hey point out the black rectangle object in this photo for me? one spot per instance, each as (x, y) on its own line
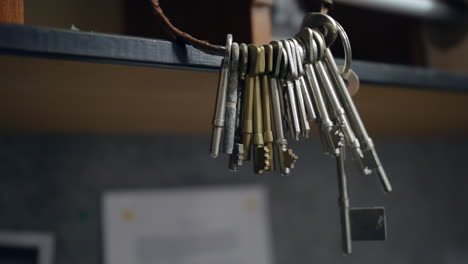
(368, 224)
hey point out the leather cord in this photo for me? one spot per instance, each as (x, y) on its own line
(177, 34)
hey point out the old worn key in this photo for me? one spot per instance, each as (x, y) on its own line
(266, 105)
(220, 109)
(261, 152)
(231, 101)
(237, 156)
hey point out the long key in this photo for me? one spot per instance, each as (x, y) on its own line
(305, 127)
(282, 88)
(231, 101)
(371, 159)
(338, 110)
(266, 104)
(343, 200)
(311, 115)
(286, 157)
(323, 120)
(290, 96)
(237, 156)
(220, 109)
(261, 153)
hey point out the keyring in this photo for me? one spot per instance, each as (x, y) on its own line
(347, 49)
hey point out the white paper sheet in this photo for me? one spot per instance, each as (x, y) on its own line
(187, 226)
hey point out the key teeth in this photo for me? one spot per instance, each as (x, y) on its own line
(237, 157)
(290, 158)
(238, 153)
(265, 157)
(262, 159)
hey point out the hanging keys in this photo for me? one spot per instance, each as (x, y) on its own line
(370, 162)
(272, 93)
(338, 110)
(323, 119)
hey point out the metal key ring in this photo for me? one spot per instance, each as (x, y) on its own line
(347, 49)
(324, 23)
(302, 49)
(319, 41)
(330, 28)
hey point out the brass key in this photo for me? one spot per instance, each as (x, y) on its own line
(261, 153)
(266, 104)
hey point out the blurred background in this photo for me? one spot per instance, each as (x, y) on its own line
(72, 132)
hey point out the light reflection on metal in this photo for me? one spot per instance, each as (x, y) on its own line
(428, 9)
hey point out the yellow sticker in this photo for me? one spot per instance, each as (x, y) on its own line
(128, 215)
(251, 205)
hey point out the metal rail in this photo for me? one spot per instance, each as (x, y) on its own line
(59, 44)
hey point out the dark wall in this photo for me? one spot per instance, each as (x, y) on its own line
(54, 183)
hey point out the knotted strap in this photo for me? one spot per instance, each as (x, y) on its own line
(177, 34)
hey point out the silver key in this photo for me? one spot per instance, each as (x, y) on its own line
(286, 158)
(343, 199)
(231, 101)
(311, 115)
(291, 97)
(220, 109)
(338, 109)
(323, 119)
(305, 127)
(370, 161)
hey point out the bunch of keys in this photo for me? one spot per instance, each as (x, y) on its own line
(273, 93)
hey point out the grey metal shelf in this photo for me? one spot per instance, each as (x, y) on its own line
(60, 44)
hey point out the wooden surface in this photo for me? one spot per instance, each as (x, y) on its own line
(89, 15)
(452, 59)
(261, 22)
(60, 96)
(12, 11)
